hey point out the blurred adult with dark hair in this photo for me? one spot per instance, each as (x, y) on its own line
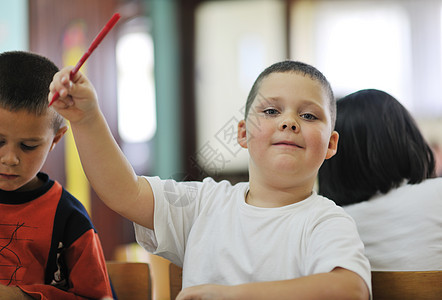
(383, 176)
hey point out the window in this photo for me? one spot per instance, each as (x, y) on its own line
(389, 45)
(137, 120)
(358, 45)
(136, 85)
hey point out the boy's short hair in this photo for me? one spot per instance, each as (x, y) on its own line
(298, 68)
(24, 83)
(380, 148)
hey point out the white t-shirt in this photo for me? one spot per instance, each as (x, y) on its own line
(402, 230)
(209, 229)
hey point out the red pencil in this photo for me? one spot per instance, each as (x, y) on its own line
(92, 47)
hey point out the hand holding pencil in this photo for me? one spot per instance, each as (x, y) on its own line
(77, 99)
(92, 47)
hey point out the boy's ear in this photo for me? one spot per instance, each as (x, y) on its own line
(332, 145)
(58, 136)
(242, 134)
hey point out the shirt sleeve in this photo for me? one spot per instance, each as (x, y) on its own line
(335, 243)
(177, 205)
(88, 277)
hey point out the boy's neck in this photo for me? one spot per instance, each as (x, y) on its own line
(32, 185)
(270, 188)
(265, 195)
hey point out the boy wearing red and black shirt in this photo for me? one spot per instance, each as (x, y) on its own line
(49, 248)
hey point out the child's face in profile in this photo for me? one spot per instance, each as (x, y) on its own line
(25, 141)
(288, 129)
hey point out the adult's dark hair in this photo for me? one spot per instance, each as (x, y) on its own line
(298, 68)
(380, 147)
(24, 83)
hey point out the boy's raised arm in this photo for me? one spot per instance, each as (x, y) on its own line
(107, 169)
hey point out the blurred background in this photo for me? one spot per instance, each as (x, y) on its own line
(173, 75)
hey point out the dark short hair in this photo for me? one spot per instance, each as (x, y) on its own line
(380, 147)
(24, 83)
(298, 68)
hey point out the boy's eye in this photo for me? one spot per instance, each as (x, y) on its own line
(309, 116)
(27, 147)
(270, 111)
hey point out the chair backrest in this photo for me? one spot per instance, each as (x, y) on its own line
(130, 280)
(175, 280)
(409, 285)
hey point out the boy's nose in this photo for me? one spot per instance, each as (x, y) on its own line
(9, 158)
(293, 127)
(289, 124)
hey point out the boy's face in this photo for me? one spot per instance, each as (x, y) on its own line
(288, 130)
(25, 141)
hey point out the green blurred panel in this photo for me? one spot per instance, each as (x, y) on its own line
(168, 141)
(14, 34)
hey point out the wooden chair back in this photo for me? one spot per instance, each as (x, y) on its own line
(130, 280)
(410, 285)
(175, 280)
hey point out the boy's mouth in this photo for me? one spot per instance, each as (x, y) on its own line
(8, 176)
(287, 143)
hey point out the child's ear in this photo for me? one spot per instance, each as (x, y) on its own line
(58, 136)
(242, 134)
(332, 145)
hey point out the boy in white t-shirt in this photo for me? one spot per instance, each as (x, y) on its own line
(272, 237)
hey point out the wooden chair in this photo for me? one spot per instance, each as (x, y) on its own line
(416, 285)
(175, 280)
(130, 280)
(158, 266)
(166, 277)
